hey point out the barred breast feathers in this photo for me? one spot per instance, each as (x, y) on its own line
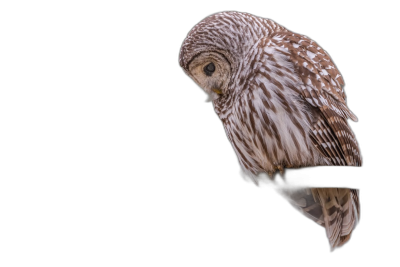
(269, 109)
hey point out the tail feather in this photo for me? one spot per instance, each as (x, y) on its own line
(336, 209)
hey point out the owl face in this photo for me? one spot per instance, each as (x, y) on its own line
(212, 72)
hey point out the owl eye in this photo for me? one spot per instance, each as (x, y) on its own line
(209, 69)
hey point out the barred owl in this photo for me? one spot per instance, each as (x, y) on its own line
(281, 101)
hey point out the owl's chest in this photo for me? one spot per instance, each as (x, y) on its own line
(268, 137)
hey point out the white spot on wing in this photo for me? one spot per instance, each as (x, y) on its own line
(311, 55)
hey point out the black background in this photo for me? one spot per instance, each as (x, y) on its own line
(165, 183)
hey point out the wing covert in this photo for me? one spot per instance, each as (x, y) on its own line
(322, 87)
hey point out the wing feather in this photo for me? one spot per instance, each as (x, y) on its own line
(336, 209)
(322, 88)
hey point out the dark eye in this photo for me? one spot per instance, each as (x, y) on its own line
(209, 69)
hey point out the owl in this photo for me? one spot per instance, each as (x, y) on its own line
(281, 101)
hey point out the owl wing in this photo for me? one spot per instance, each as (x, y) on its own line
(336, 209)
(322, 88)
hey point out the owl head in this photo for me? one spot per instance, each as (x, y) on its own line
(212, 51)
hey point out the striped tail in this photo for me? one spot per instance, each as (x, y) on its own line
(337, 209)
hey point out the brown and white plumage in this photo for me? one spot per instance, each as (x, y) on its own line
(336, 209)
(281, 101)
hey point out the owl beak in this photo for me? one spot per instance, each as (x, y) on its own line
(218, 91)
